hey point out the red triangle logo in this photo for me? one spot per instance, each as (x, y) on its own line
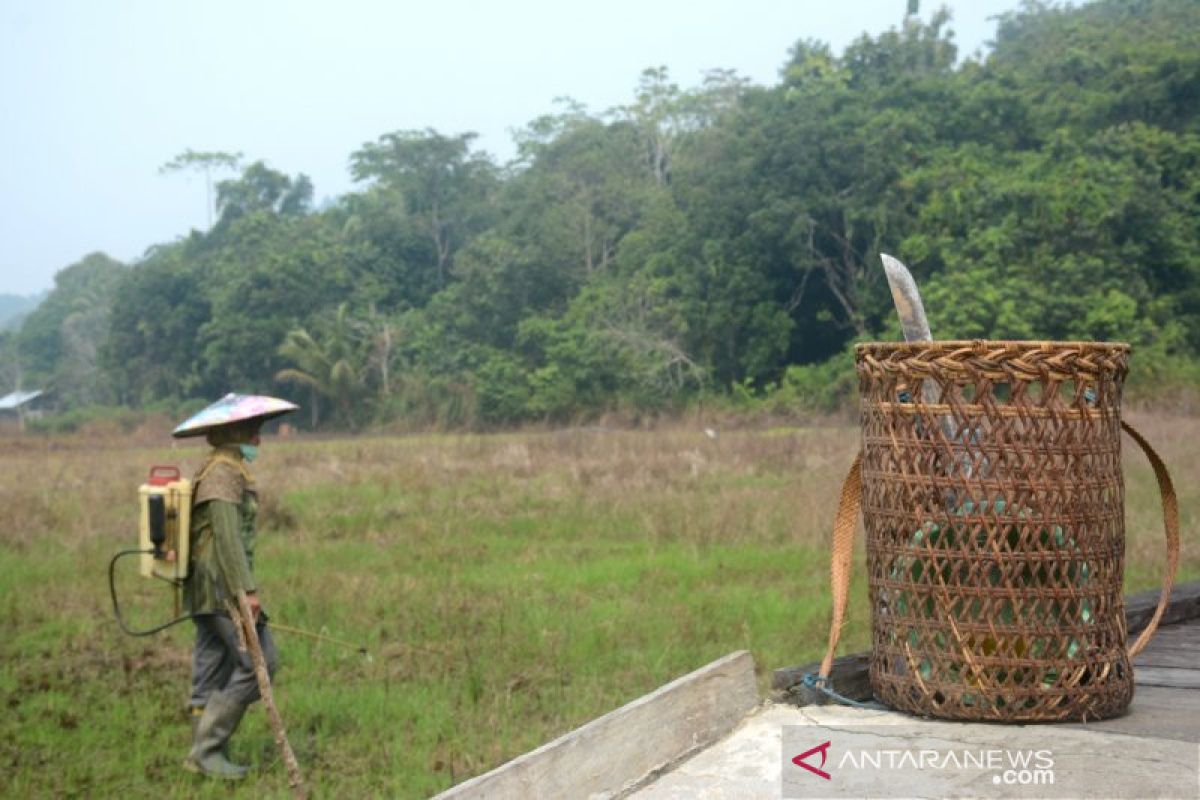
(823, 749)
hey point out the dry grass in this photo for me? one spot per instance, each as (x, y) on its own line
(738, 488)
(511, 586)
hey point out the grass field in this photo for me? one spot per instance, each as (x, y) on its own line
(508, 587)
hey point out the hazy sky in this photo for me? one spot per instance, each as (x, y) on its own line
(98, 94)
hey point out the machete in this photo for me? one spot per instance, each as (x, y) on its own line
(907, 300)
(912, 314)
(916, 329)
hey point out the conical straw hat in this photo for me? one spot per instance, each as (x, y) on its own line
(233, 408)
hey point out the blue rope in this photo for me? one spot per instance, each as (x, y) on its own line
(811, 680)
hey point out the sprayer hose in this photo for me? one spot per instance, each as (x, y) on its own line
(112, 589)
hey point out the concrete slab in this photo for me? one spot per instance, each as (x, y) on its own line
(705, 736)
(1090, 761)
(745, 764)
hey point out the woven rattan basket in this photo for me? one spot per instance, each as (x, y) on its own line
(992, 496)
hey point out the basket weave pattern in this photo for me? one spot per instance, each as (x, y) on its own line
(994, 509)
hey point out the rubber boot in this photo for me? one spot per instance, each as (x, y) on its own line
(194, 714)
(217, 724)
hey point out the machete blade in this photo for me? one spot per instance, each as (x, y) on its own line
(916, 329)
(907, 300)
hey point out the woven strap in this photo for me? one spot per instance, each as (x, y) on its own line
(843, 553)
(847, 519)
(222, 456)
(1171, 523)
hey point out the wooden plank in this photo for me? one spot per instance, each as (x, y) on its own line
(1167, 676)
(1185, 634)
(848, 676)
(1166, 657)
(1174, 649)
(1171, 641)
(624, 748)
(1148, 722)
(1184, 605)
(1163, 697)
(1156, 712)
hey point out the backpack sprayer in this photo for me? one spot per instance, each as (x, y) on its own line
(164, 537)
(164, 534)
(164, 524)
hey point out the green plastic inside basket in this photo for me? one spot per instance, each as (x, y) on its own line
(939, 539)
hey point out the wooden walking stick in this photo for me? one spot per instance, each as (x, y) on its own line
(244, 619)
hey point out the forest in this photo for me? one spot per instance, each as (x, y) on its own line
(713, 246)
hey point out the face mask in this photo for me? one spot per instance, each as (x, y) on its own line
(249, 451)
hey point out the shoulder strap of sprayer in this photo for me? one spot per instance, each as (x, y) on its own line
(847, 520)
(220, 455)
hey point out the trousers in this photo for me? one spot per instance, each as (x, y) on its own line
(219, 666)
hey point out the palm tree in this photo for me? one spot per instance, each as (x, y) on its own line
(333, 366)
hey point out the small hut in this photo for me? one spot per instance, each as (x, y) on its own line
(20, 405)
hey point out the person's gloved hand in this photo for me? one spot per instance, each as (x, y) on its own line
(255, 605)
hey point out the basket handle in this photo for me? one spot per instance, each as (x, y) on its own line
(1170, 506)
(843, 552)
(847, 519)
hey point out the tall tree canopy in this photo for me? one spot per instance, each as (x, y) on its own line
(721, 240)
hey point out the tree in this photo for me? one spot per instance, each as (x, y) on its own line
(382, 339)
(585, 189)
(58, 341)
(1103, 63)
(1062, 242)
(390, 249)
(206, 162)
(332, 364)
(267, 274)
(10, 363)
(724, 237)
(153, 349)
(262, 189)
(441, 182)
(664, 115)
(796, 189)
(78, 377)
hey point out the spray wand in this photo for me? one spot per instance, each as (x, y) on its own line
(321, 637)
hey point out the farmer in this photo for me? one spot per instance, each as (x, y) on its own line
(224, 506)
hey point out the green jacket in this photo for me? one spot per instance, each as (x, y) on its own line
(224, 508)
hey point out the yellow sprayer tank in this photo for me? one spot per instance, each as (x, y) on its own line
(164, 524)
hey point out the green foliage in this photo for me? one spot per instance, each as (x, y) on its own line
(112, 418)
(14, 308)
(58, 342)
(10, 363)
(503, 387)
(153, 347)
(1104, 63)
(443, 186)
(826, 387)
(268, 275)
(1082, 239)
(207, 163)
(332, 364)
(423, 401)
(203, 161)
(694, 243)
(261, 188)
